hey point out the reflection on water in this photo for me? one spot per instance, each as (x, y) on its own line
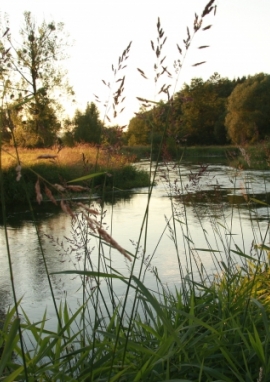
(199, 197)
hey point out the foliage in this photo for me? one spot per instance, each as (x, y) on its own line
(5, 53)
(138, 131)
(210, 327)
(248, 116)
(194, 116)
(203, 110)
(58, 169)
(25, 133)
(35, 73)
(255, 156)
(9, 118)
(206, 333)
(137, 152)
(87, 125)
(198, 112)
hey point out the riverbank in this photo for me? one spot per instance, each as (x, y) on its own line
(55, 169)
(193, 307)
(255, 157)
(145, 152)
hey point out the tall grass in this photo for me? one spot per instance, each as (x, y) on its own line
(253, 156)
(80, 156)
(214, 327)
(70, 163)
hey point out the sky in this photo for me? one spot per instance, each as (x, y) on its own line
(100, 30)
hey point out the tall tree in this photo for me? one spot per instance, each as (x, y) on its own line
(88, 126)
(203, 110)
(248, 112)
(36, 61)
(138, 130)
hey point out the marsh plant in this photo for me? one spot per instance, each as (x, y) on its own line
(213, 326)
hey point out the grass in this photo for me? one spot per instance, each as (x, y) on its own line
(73, 157)
(213, 327)
(145, 152)
(69, 163)
(207, 151)
(210, 332)
(256, 157)
(138, 152)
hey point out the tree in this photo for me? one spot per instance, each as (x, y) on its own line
(87, 126)
(248, 112)
(36, 62)
(198, 110)
(203, 110)
(195, 115)
(25, 134)
(138, 130)
(112, 136)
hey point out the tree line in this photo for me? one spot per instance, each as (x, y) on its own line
(218, 111)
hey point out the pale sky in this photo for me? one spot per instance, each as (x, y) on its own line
(102, 29)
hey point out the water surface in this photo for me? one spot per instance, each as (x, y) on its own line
(211, 207)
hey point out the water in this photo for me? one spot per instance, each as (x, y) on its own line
(211, 199)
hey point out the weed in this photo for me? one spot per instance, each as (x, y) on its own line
(215, 326)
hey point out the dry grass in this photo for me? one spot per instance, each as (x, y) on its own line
(76, 156)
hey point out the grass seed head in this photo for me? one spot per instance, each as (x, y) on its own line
(38, 192)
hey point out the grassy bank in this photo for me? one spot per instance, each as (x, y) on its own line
(54, 168)
(256, 157)
(207, 151)
(144, 152)
(81, 157)
(212, 327)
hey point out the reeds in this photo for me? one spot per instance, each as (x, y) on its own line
(213, 327)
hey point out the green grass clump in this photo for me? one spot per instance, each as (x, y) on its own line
(206, 332)
(128, 177)
(256, 157)
(18, 191)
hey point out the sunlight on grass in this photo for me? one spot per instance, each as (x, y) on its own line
(68, 156)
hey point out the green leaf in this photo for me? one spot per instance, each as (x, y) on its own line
(9, 344)
(155, 304)
(89, 274)
(259, 201)
(243, 255)
(256, 344)
(187, 238)
(264, 314)
(213, 372)
(86, 177)
(178, 380)
(12, 376)
(205, 250)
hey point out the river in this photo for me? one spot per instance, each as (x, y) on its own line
(211, 209)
